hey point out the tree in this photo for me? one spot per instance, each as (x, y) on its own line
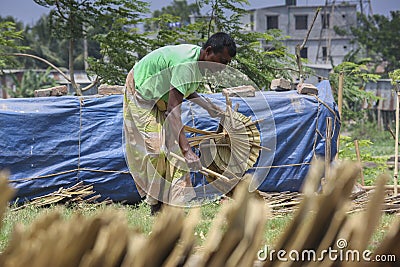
(8, 42)
(259, 65)
(179, 9)
(379, 36)
(395, 76)
(354, 95)
(72, 20)
(42, 44)
(121, 42)
(31, 81)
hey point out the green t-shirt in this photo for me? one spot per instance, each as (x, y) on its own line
(168, 66)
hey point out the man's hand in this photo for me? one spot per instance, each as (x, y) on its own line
(207, 104)
(192, 160)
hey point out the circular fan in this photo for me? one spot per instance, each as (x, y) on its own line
(235, 146)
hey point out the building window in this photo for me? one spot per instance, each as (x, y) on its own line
(325, 21)
(272, 22)
(345, 47)
(291, 2)
(301, 22)
(304, 53)
(252, 21)
(324, 53)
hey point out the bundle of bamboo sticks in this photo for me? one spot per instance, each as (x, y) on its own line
(282, 203)
(77, 194)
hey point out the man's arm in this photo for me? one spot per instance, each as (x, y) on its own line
(176, 127)
(211, 108)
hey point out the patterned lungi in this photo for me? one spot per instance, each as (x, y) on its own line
(146, 152)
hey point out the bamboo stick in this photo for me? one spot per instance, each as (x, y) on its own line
(195, 130)
(396, 157)
(253, 122)
(359, 161)
(340, 105)
(204, 137)
(328, 146)
(203, 169)
(340, 93)
(372, 187)
(229, 107)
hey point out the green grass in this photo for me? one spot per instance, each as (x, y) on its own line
(384, 225)
(274, 228)
(382, 141)
(376, 146)
(138, 218)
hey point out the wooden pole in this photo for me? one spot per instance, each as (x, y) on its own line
(203, 169)
(299, 47)
(340, 93)
(372, 187)
(359, 161)
(340, 105)
(328, 146)
(396, 148)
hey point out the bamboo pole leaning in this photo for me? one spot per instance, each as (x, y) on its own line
(396, 157)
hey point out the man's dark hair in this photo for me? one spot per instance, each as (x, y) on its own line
(218, 41)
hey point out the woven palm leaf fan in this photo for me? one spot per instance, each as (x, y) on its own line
(233, 148)
(237, 149)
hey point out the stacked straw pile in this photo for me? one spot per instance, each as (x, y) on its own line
(234, 239)
(77, 194)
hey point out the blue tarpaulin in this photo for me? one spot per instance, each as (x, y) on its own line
(52, 142)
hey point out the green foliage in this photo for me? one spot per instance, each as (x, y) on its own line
(395, 76)
(179, 9)
(347, 151)
(31, 81)
(382, 141)
(43, 44)
(109, 22)
(229, 77)
(121, 43)
(110, 27)
(378, 36)
(354, 95)
(259, 65)
(8, 42)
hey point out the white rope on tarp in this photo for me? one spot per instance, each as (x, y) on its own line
(78, 169)
(65, 172)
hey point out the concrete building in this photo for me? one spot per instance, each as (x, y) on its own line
(324, 45)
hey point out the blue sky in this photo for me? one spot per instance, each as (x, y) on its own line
(29, 12)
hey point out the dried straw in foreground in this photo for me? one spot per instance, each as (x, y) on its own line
(321, 222)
